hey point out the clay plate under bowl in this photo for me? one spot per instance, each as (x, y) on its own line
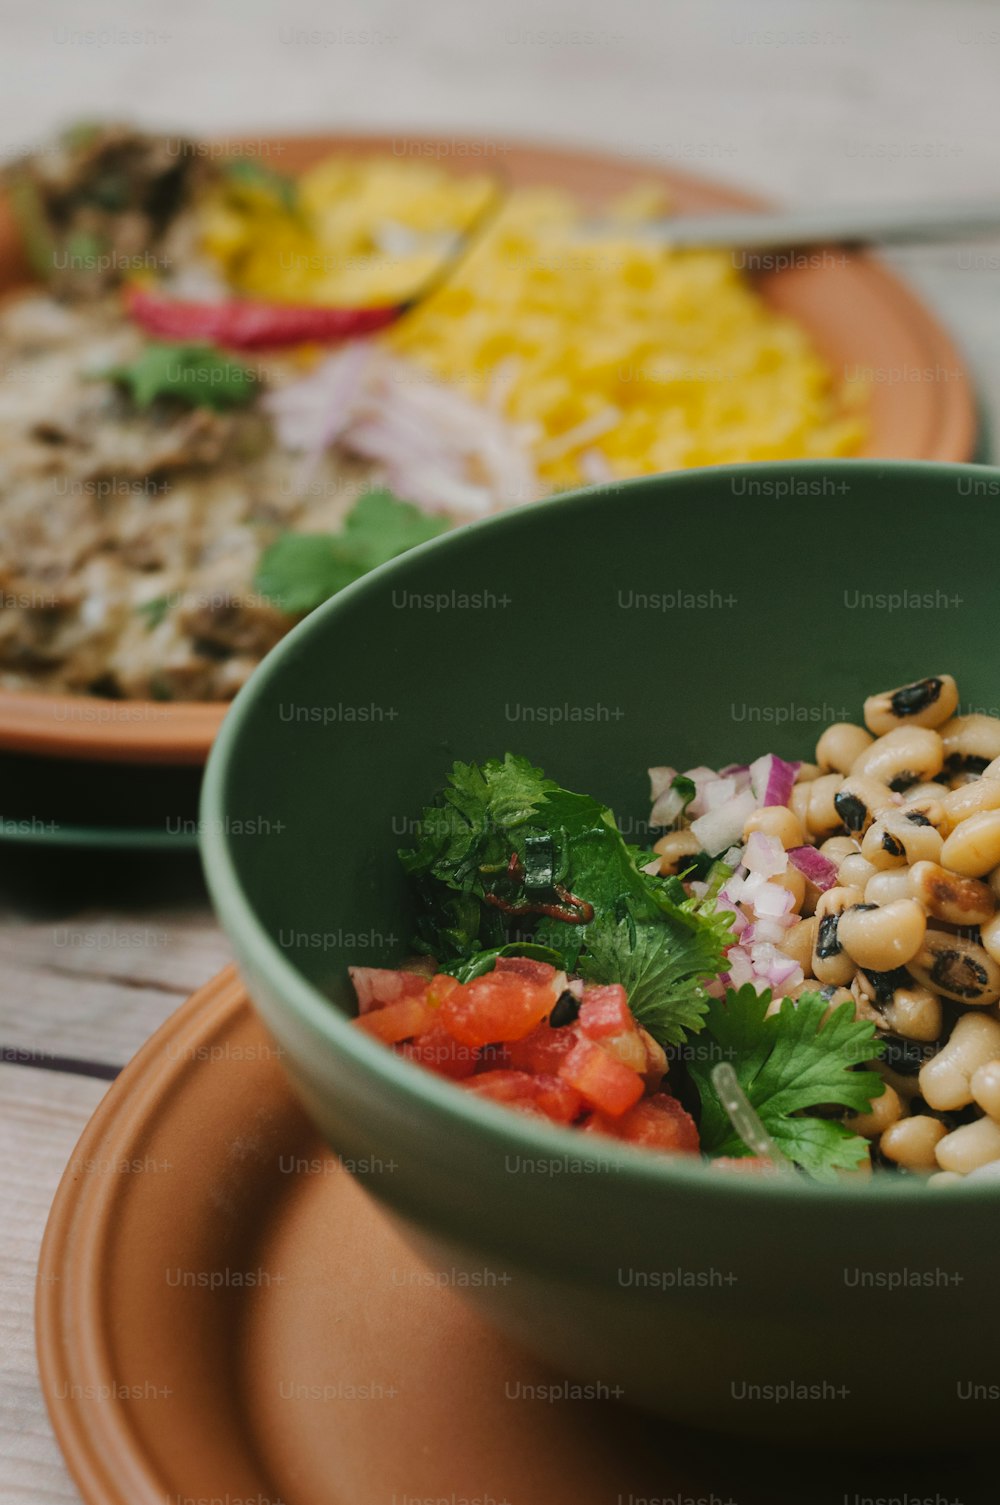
(223, 1313)
(858, 314)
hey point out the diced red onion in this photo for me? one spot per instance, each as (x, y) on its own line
(772, 779)
(773, 901)
(817, 868)
(719, 828)
(699, 777)
(765, 854)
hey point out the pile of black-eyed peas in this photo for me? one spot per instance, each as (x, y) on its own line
(907, 809)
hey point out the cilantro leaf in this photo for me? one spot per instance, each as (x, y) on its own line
(302, 570)
(798, 1060)
(506, 857)
(154, 611)
(196, 374)
(662, 968)
(255, 177)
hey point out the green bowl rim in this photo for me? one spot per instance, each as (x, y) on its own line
(532, 1138)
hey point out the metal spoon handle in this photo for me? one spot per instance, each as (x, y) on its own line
(882, 224)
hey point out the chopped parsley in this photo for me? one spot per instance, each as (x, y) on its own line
(508, 859)
(302, 570)
(198, 375)
(804, 1058)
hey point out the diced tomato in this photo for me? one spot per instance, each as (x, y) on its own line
(543, 1094)
(543, 1050)
(377, 986)
(398, 1021)
(658, 1122)
(605, 1083)
(523, 966)
(605, 1011)
(495, 1007)
(627, 1048)
(439, 1051)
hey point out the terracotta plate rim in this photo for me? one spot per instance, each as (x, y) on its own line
(69, 726)
(102, 1453)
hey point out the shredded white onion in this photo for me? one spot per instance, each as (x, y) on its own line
(436, 446)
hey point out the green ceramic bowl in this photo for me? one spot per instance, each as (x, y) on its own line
(703, 617)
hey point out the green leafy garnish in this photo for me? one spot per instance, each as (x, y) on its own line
(302, 570)
(196, 374)
(153, 612)
(788, 1064)
(506, 857)
(245, 173)
(661, 968)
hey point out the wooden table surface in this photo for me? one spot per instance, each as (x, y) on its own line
(814, 100)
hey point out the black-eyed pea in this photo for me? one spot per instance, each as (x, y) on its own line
(957, 969)
(799, 803)
(945, 1179)
(830, 963)
(839, 847)
(911, 1142)
(854, 872)
(779, 821)
(925, 702)
(806, 772)
(675, 849)
(908, 755)
(885, 1110)
(915, 1013)
(973, 848)
(887, 885)
(923, 795)
(985, 1086)
(972, 797)
(992, 770)
(950, 897)
(946, 1079)
(798, 941)
(971, 743)
(899, 837)
(993, 880)
(822, 816)
(840, 744)
(967, 1148)
(989, 934)
(860, 799)
(963, 780)
(883, 936)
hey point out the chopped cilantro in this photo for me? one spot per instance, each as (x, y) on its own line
(803, 1058)
(302, 570)
(153, 612)
(196, 374)
(506, 857)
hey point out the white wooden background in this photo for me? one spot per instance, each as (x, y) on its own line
(809, 100)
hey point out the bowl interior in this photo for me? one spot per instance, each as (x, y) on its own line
(704, 617)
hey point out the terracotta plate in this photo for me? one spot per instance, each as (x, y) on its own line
(858, 314)
(224, 1314)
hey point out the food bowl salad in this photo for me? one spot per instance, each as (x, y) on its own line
(802, 973)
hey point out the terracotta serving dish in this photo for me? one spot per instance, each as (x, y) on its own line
(858, 314)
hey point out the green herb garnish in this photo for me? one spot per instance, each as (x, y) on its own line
(196, 374)
(508, 858)
(302, 570)
(153, 612)
(788, 1064)
(244, 173)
